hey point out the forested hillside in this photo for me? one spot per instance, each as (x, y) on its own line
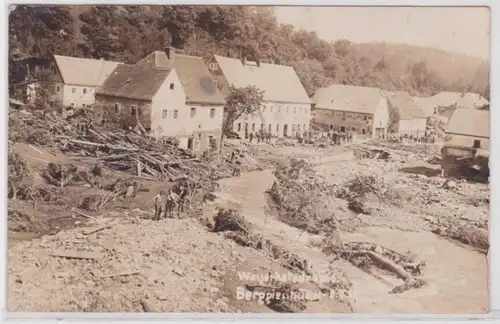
(127, 33)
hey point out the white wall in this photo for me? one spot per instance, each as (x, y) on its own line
(203, 120)
(381, 116)
(466, 141)
(74, 94)
(170, 100)
(278, 115)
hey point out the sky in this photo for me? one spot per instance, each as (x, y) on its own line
(464, 30)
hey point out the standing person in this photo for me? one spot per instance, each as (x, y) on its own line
(258, 137)
(250, 137)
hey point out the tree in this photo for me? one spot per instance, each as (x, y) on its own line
(240, 102)
(18, 170)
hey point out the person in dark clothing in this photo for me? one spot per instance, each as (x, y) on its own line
(250, 136)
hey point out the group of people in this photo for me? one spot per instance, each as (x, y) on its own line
(265, 137)
(260, 136)
(428, 137)
(338, 138)
(169, 202)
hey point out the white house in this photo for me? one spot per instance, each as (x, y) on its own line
(174, 96)
(347, 108)
(467, 141)
(71, 81)
(408, 117)
(459, 100)
(287, 108)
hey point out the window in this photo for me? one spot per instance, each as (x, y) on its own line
(477, 144)
(277, 128)
(269, 128)
(199, 125)
(133, 110)
(239, 127)
(287, 109)
(84, 90)
(73, 90)
(193, 112)
(365, 117)
(171, 86)
(363, 130)
(253, 127)
(264, 109)
(212, 112)
(176, 113)
(261, 127)
(58, 88)
(279, 109)
(53, 69)
(293, 128)
(213, 66)
(117, 108)
(294, 110)
(343, 116)
(164, 113)
(353, 129)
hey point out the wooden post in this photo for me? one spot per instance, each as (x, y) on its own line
(139, 168)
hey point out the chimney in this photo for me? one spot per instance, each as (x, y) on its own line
(170, 52)
(243, 58)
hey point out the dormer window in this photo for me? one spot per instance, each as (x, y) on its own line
(172, 86)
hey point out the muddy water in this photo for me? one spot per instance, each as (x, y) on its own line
(457, 278)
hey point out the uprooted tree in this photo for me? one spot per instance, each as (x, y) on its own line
(240, 102)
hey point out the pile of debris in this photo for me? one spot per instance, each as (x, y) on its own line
(370, 257)
(115, 265)
(302, 198)
(120, 150)
(234, 227)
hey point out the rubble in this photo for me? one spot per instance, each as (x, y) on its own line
(366, 256)
(117, 149)
(302, 198)
(113, 270)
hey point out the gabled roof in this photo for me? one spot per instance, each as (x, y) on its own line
(195, 77)
(426, 104)
(407, 107)
(462, 100)
(84, 72)
(348, 98)
(280, 83)
(134, 82)
(470, 122)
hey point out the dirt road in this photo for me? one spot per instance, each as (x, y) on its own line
(457, 277)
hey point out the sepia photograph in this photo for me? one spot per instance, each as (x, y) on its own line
(248, 159)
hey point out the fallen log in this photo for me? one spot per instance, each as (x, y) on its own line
(387, 264)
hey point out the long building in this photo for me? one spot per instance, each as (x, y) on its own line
(287, 107)
(346, 108)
